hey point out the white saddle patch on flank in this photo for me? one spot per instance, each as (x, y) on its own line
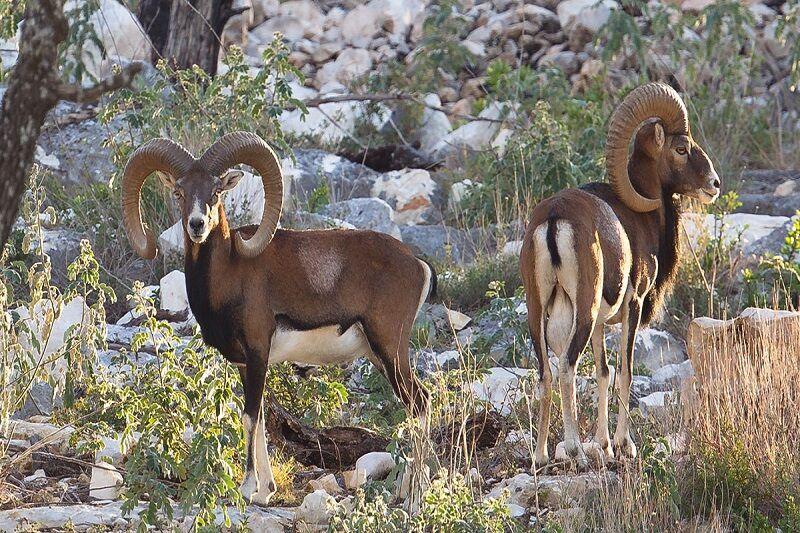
(320, 346)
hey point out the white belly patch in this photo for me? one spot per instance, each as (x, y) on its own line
(319, 346)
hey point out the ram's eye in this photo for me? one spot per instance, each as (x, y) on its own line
(177, 193)
(682, 150)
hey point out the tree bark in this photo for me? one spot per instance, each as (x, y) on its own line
(195, 29)
(33, 89)
(154, 17)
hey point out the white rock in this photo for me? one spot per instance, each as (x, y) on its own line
(673, 375)
(786, 188)
(655, 404)
(475, 135)
(119, 32)
(351, 63)
(434, 125)
(264, 9)
(409, 191)
(370, 466)
(444, 358)
(105, 483)
(512, 248)
(501, 387)
(589, 15)
(290, 27)
(173, 292)
(307, 13)
(316, 123)
(45, 159)
(457, 319)
(474, 48)
(316, 509)
(457, 192)
(327, 483)
(39, 474)
(82, 517)
(592, 450)
(515, 511)
(361, 24)
(9, 51)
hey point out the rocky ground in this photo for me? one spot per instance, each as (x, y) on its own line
(333, 43)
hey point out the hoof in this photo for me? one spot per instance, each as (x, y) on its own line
(572, 452)
(540, 460)
(625, 447)
(254, 494)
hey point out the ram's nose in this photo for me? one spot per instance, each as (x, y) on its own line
(197, 225)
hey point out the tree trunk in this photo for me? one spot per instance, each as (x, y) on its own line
(195, 27)
(154, 17)
(33, 89)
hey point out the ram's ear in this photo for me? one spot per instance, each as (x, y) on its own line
(166, 179)
(653, 139)
(230, 179)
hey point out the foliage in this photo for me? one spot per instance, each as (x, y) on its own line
(511, 333)
(447, 505)
(465, 287)
(194, 109)
(81, 43)
(316, 397)
(11, 12)
(776, 279)
(718, 64)
(177, 414)
(29, 306)
(555, 143)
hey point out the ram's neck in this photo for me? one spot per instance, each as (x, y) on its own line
(206, 262)
(668, 257)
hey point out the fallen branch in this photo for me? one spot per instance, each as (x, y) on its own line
(78, 94)
(335, 447)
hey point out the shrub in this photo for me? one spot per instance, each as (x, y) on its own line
(447, 505)
(465, 287)
(776, 280)
(179, 417)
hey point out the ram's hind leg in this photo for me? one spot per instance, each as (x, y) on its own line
(536, 326)
(602, 436)
(631, 317)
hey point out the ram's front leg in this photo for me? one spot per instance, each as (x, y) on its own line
(259, 484)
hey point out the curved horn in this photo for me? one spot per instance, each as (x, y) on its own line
(161, 155)
(250, 149)
(654, 100)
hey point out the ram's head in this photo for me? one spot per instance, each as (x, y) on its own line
(682, 167)
(198, 184)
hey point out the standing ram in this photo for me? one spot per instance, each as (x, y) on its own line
(608, 253)
(265, 295)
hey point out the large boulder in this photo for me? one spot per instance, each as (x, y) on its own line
(439, 242)
(317, 508)
(411, 193)
(118, 31)
(343, 178)
(365, 213)
(349, 65)
(755, 331)
(753, 234)
(653, 348)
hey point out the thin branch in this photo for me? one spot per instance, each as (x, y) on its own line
(76, 93)
(384, 97)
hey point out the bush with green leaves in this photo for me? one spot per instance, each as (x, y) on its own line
(178, 415)
(718, 62)
(30, 304)
(448, 504)
(556, 142)
(776, 279)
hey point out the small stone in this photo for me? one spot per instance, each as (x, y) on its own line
(174, 298)
(327, 483)
(317, 508)
(37, 475)
(106, 482)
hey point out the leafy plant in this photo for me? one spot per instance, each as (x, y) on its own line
(776, 279)
(180, 413)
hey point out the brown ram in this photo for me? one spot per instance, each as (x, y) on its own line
(608, 253)
(264, 295)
